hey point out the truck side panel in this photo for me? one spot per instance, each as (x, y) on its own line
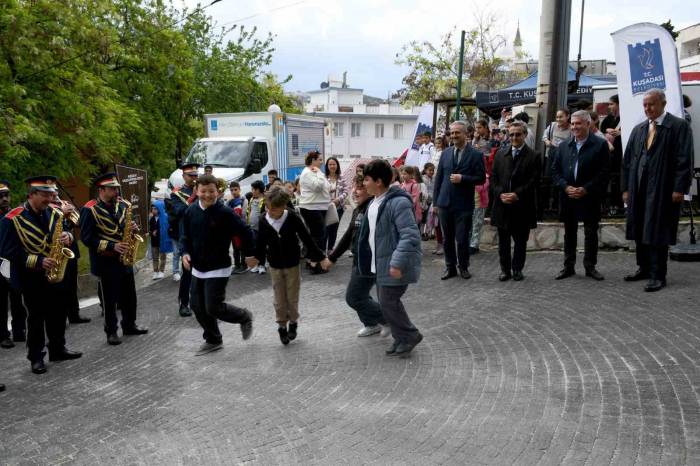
(301, 137)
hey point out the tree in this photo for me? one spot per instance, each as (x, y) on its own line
(670, 28)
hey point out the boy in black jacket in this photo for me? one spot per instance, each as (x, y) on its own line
(279, 232)
(207, 229)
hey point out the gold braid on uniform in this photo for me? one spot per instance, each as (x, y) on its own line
(109, 231)
(183, 197)
(35, 241)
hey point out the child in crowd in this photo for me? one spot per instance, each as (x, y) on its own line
(154, 231)
(410, 177)
(255, 210)
(239, 205)
(428, 224)
(279, 233)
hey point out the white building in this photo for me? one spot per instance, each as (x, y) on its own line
(361, 126)
(688, 45)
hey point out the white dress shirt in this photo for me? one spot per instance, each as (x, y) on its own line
(372, 214)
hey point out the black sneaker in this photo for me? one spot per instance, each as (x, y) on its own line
(292, 333)
(185, 311)
(284, 337)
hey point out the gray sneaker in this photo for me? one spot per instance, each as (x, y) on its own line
(247, 326)
(208, 348)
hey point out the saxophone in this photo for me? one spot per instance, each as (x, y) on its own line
(60, 254)
(130, 237)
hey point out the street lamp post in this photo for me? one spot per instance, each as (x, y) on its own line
(459, 76)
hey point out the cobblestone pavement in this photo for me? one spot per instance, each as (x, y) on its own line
(536, 372)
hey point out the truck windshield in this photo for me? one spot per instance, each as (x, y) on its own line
(234, 154)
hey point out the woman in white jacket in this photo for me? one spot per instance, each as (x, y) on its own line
(314, 197)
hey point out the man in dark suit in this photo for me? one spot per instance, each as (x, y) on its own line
(580, 169)
(461, 167)
(514, 181)
(657, 173)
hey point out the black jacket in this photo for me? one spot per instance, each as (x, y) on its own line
(349, 239)
(669, 169)
(282, 249)
(592, 175)
(207, 234)
(520, 176)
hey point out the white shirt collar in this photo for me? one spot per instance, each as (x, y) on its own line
(660, 119)
(518, 148)
(277, 223)
(199, 202)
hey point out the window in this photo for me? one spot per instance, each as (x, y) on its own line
(379, 130)
(295, 144)
(338, 130)
(398, 131)
(355, 130)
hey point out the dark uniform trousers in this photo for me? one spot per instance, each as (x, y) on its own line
(44, 313)
(70, 289)
(118, 290)
(185, 284)
(19, 313)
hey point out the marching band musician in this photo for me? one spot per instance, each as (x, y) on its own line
(70, 282)
(19, 314)
(180, 200)
(102, 222)
(27, 242)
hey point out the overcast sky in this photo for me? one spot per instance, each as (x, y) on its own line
(318, 38)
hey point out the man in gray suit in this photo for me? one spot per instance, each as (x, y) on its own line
(656, 174)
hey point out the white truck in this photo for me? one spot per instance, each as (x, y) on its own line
(244, 146)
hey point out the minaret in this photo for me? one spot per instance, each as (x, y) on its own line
(518, 43)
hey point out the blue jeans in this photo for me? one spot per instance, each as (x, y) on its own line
(176, 256)
(357, 296)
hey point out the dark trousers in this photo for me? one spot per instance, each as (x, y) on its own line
(456, 227)
(590, 231)
(332, 231)
(70, 290)
(650, 259)
(183, 294)
(519, 237)
(208, 304)
(118, 289)
(402, 329)
(46, 315)
(238, 259)
(316, 223)
(357, 296)
(19, 313)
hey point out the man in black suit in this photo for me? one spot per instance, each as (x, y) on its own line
(461, 167)
(580, 169)
(657, 173)
(514, 182)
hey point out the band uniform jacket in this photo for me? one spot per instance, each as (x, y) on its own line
(101, 228)
(180, 199)
(520, 176)
(669, 164)
(26, 243)
(592, 175)
(459, 196)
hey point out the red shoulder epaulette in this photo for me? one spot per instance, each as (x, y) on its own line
(91, 203)
(14, 212)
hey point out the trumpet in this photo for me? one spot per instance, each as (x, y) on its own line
(68, 210)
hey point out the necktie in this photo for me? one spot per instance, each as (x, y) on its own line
(516, 152)
(652, 133)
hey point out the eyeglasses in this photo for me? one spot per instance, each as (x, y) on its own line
(515, 134)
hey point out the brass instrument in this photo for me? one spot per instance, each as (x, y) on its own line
(69, 211)
(221, 185)
(131, 238)
(60, 254)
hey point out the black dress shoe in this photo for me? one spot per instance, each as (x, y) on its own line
(464, 273)
(565, 273)
(113, 339)
(638, 276)
(7, 343)
(38, 367)
(448, 273)
(391, 351)
(185, 311)
(135, 330)
(518, 276)
(65, 355)
(595, 275)
(654, 285)
(2, 387)
(79, 320)
(292, 332)
(284, 335)
(404, 349)
(504, 277)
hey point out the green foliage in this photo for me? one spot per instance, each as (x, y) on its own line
(86, 83)
(670, 28)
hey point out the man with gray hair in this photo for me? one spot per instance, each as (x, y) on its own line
(580, 169)
(656, 174)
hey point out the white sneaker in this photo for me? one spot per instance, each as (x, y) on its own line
(176, 277)
(254, 269)
(261, 269)
(385, 331)
(155, 275)
(367, 331)
(161, 274)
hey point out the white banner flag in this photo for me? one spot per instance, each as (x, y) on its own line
(424, 123)
(646, 59)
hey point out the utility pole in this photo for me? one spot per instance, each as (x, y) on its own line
(459, 77)
(552, 76)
